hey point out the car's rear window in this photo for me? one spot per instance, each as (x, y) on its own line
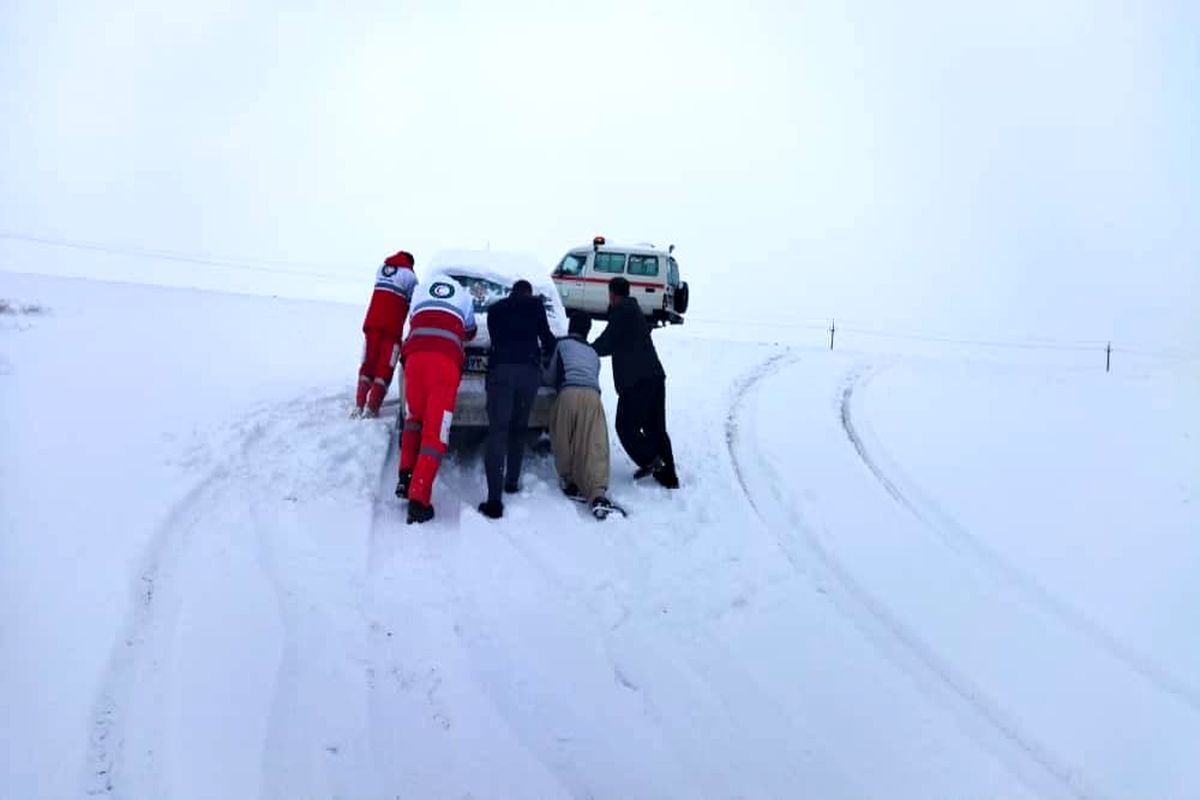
(613, 263)
(484, 293)
(643, 265)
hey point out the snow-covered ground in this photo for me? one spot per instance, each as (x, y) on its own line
(885, 576)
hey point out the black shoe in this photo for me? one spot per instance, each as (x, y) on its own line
(492, 510)
(649, 469)
(402, 484)
(512, 488)
(602, 507)
(572, 492)
(666, 477)
(419, 512)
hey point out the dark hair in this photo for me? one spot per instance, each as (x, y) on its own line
(522, 288)
(579, 325)
(619, 287)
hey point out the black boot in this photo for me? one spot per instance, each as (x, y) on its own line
(492, 509)
(648, 470)
(666, 477)
(402, 484)
(572, 492)
(418, 512)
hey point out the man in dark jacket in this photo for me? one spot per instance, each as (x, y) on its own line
(641, 386)
(517, 325)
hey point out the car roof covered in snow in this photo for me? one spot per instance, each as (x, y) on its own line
(502, 267)
(505, 269)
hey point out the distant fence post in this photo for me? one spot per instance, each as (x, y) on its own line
(832, 331)
(1108, 358)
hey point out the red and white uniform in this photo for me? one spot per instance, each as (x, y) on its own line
(443, 319)
(383, 327)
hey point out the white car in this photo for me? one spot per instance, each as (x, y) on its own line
(583, 274)
(489, 276)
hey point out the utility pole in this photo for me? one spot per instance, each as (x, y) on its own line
(832, 331)
(1108, 358)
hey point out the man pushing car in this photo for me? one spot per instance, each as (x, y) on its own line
(443, 320)
(641, 384)
(382, 329)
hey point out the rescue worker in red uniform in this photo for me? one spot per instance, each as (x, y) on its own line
(443, 320)
(382, 329)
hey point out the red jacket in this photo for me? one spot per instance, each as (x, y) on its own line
(394, 284)
(443, 318)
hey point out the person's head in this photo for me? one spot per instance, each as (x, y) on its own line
(522, 288)
(401, 258)
(618, 290)
(579, 326)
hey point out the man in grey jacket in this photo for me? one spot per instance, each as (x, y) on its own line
(578, 427)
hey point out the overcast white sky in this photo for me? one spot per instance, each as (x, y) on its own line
(1001, 168)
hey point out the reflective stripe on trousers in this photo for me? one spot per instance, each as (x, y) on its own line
(438, 332)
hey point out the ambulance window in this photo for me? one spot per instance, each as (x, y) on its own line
(572, 264)
(612, 263)
(672, 271)
(643, 265)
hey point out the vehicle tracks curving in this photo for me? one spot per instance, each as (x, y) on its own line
(927, 511)
(802, 542)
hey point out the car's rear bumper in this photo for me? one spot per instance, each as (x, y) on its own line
(470, 406)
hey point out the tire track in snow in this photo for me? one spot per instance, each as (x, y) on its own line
(107, 727)
(385, 492)
(1029, 759)
(422, 669)
(110, 770)
(925, 510)
(314, 550)
(470, 655)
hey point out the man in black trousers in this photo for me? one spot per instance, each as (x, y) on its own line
(641, 386)
(516, 325)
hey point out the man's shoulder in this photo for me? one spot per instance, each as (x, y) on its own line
(516, 307)
(532, 303)
(500, 307)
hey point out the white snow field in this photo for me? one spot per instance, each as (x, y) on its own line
(885, 577)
